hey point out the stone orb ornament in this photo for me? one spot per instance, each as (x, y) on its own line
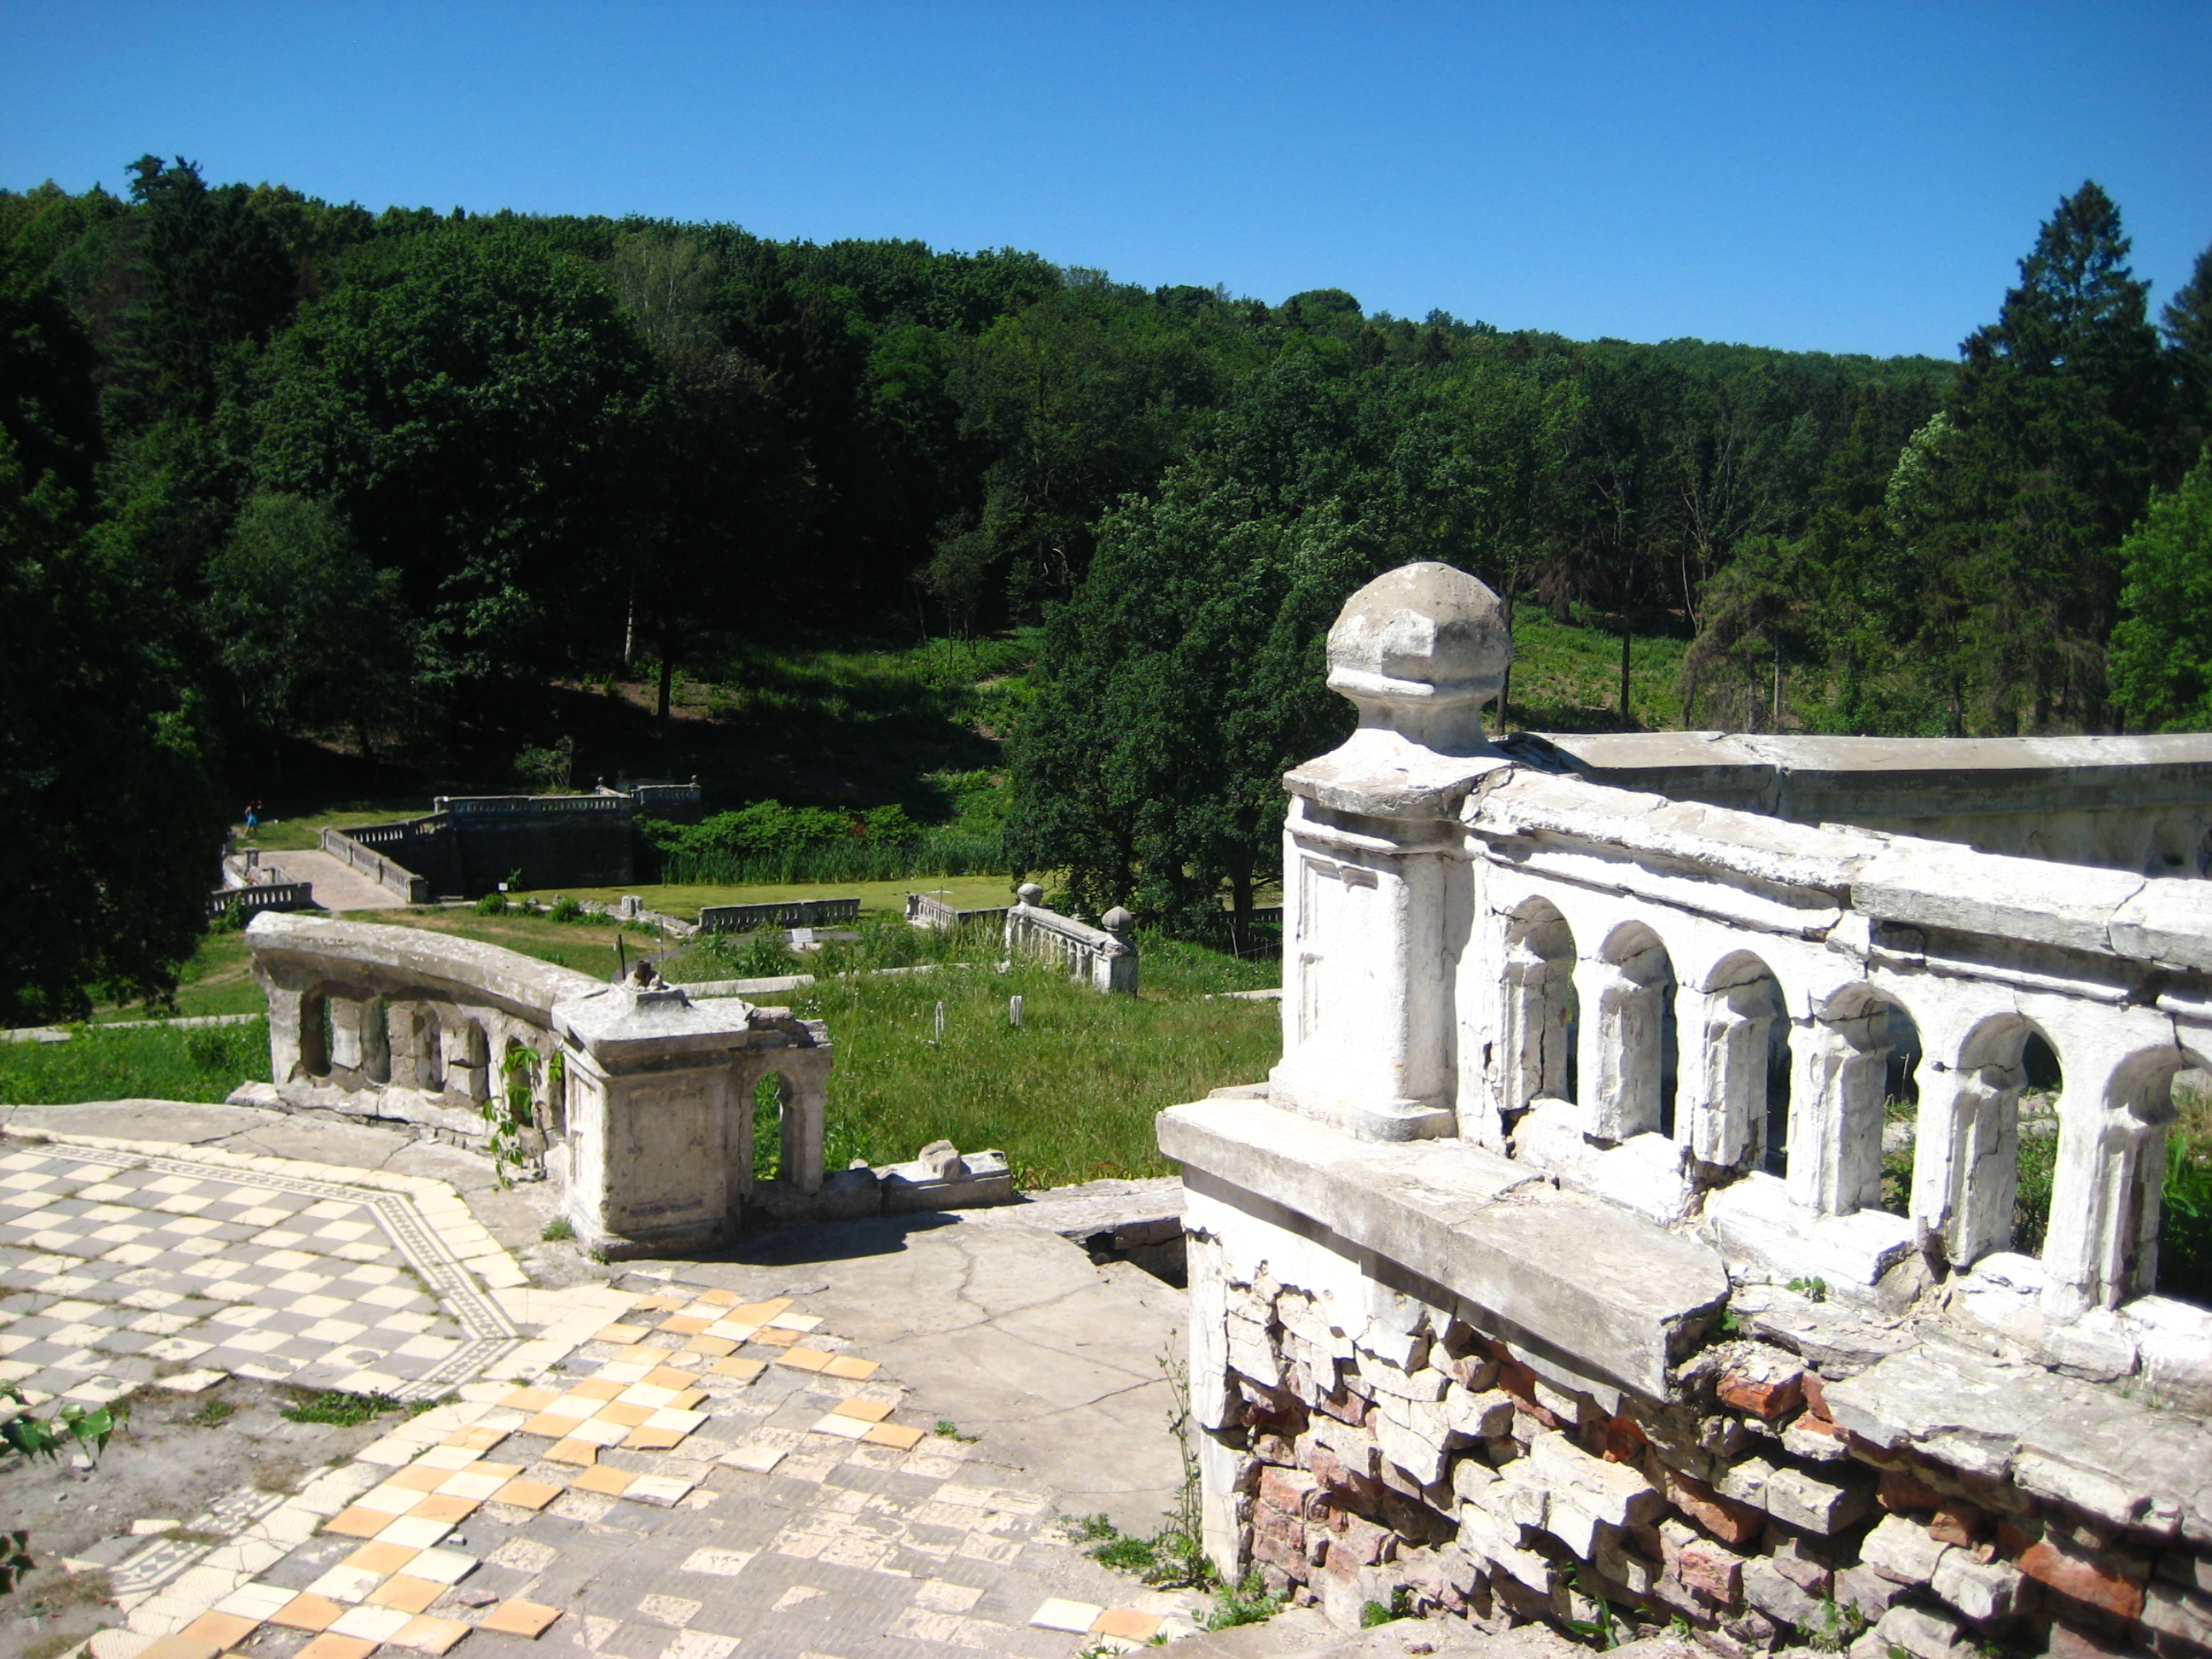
(1418, 651)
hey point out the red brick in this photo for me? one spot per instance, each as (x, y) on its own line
(1712, 1571)
(1958, 1522)
(1816, 1396)
(2078, 1578)
(1615, 1439)
(1901, 1494)
(1764, 1397)
(1726, 1519)
(1520, 1381)
(1359, 1543)
(1294, 1491)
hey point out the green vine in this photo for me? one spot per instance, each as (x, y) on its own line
(517, 1105)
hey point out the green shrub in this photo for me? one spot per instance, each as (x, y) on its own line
(492, 904)
(567, 910)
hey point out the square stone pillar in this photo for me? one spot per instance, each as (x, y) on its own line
(1377, 888)
(660, 1107)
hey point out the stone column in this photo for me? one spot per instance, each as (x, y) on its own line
(1720, 1094)
(1620, 1061)
(2101, 1245)
(1835, 1113)
(1376, 892)
(1965, 1159)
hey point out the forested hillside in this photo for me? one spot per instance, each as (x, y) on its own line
(273, 468)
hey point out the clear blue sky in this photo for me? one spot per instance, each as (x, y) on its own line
(1844, 177)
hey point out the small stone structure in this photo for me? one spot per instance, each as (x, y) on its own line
(927, 910)
(1549, 1265)
(467, 845)
(642, 1096)
(786, 913)
(1103, 959)
(643, 1100)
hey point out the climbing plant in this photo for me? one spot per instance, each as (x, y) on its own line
(516, 1107)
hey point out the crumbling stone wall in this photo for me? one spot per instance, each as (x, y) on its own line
(1422, 1454)
(1549, 1272)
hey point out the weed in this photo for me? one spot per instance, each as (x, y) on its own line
(1175, 1556)
(559, 1231)
(1730, 1325)
(51, 1646)
(214, 1413)
(1813, 1289)
(491, 904)
(1837, 1628)
(566, 909)
(279, 1474)
(951, 1430)
(338, 1408)
(150, 1063)
(196, 1535)
(58, 1595)
(1372, 1614)
(1244, 1603)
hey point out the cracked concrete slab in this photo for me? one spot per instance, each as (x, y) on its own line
(1005, 1331)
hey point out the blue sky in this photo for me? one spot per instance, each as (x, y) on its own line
(1840, 177)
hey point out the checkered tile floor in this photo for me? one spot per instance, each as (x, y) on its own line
(116, 1271)
(700, 1476)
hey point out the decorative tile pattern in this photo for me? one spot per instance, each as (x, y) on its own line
(120, 1269)
(652, 1497)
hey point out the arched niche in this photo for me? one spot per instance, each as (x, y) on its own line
(1859, 1046)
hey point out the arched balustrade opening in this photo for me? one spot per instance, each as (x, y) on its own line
(1630, 1035)
(1535, 1050)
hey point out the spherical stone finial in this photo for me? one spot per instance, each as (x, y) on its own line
(1419, 650)
(1117, 921)
(1030, 894)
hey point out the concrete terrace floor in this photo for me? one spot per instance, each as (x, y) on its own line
(658, 1465)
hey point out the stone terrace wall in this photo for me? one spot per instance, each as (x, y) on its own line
(1547, 1271)
(2143, 803)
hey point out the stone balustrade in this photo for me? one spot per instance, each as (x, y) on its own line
(1101, 957)
(1556, 1256)
(641, 1102)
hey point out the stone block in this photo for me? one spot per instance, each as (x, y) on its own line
(966, 1181)
(1958, 1522)
(1745, 1480)
(1480, 1416)
(1862, 1588)
(1816, 1440)
(2187, 1569)
(1580, 1277)
(2182, 1614)
(1714, 1572)
(1818, 1504)
(1981, 1590)
(1294, 1491)
(1421, 1455)
(1617, 1494)
(1426, 1384)
(1901, 1551)
(1921, 1632)
(1901, 1493)
(2071, 1641)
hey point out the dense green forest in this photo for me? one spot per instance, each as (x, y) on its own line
(273, 468)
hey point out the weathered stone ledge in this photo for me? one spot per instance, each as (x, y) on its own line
(1616, 1296)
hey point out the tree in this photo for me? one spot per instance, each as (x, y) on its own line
(107, 819)
(313, 636)
(726, 494)
(2188, 327)
(2162, 649)
(2060, 429)
(473, 405)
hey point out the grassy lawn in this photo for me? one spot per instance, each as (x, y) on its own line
(966, 892)
(145, 1065)
(1069, 1097)
(217, 979)
(587, 947)
(1566, 677)
(304, 834)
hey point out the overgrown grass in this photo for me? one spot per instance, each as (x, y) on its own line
(203, 1065)
(1069, 1097)
(1566, 676)
(218, 979)
(933, 854)
(589, 948)
(683, 900)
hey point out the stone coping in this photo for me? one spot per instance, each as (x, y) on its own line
(521, 984)
(1611, 1296)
